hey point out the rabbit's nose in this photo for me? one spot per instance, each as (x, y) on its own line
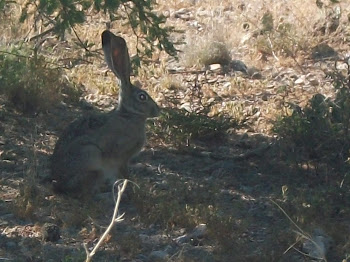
(156, 111)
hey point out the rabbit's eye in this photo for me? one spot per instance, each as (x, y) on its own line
(143, 96)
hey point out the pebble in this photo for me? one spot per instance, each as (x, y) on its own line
(300, 80)
(322, 51)
(198, 232)
(215, 67)
(318, 245)
(238, 65)
(254, 73)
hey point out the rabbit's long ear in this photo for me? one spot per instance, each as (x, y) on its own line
(117, 56)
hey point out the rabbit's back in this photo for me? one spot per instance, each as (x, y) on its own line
(96, 149)
(80, 127)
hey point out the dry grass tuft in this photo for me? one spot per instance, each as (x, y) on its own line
(31, 82)
(205, 50)
(267, 28)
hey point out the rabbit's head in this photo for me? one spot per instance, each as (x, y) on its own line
(132, 99)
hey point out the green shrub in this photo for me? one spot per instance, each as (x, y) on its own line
(59, 17)
(279, 39)
(180, 127)
(319, 133)
(29, 81)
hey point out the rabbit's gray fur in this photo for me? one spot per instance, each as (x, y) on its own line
(97, 148)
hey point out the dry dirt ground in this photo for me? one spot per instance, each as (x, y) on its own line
(230, 196)
(225, 182)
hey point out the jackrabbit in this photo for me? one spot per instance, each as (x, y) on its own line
(96, 149)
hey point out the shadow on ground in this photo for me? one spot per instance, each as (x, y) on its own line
(226, 181)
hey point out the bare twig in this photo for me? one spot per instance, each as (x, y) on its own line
(305, 236)
(302, 234)
(173, 72)
(41, 34)
(115, 219)
(271, 46)
(287, 216)
(79, 40)
(47, 62)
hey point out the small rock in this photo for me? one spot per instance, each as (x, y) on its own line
(227, 85)
(211, 100)
(50, 232)
(183, 14)
(215, 67)
(318, 245)
(200, 231)
(201, 13)
(342, 66)
(322, 51)
(254, 73)
(196, 25)
(186, 106)
(182, 11)
(212, 80)
(166, 13)
(182, 239)
(238, 65)
(300, 80)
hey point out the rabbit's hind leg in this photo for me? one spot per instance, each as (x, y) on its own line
(91, 174)
(84, 172)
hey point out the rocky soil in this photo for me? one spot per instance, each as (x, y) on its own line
(227, 197)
